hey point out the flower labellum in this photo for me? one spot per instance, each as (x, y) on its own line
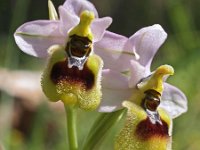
(147, 127)
(73, 72)
(139, 133)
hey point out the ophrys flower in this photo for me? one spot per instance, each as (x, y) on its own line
(151, 103)
(73, 72)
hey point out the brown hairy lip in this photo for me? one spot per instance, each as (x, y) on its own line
(60, 72)
(146, 129)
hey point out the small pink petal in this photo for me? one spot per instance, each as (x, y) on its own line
(34, 38)
(173, 101)
(99, 26)
(75, 7)
(146, 42)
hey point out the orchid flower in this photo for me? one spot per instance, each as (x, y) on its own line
(123, 72)
(72, 37)
(128, 82)
(73, 72)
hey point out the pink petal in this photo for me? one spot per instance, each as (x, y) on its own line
(138, 72)
(75, 7)
(112, 99)
(146, 42)
(99, 26)
(67, 20)
(34, 38)
(114, 80)
(111, 50)
(173, 101)
(115, 90)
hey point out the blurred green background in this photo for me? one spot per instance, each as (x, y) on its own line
(43, 127)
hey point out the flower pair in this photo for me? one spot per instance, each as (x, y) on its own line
(74, 43)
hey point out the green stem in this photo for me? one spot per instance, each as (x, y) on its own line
(71, 127)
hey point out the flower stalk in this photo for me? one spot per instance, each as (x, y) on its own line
(71, 127)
